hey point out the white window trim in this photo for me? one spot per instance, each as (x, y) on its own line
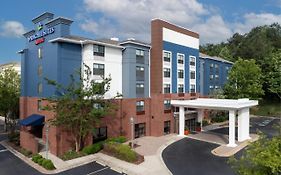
(171, 71)
(192, 68)
(184, 72)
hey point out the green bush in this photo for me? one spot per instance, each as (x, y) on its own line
(123, 152)
(14, 137)
(36, 157)
(25, 152)
(92, 149)
(48, 164)
(120, 139)
(40, 161)
(205, 123)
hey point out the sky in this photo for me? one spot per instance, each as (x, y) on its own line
(214, 20)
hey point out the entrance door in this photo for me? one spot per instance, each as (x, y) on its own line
(190, 124)
(100, 134)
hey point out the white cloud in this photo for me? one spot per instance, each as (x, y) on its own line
(11, 29)
(131, 18)
(252, 20)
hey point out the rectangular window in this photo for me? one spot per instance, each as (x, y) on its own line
(98, 69)
(167, 127)
(167, 88)
(180, 88)
(217, 87)
(167, 104)
(192, 88)
(211, 77)
(98, 50)
(40, 50)
(211, 87)
(192, 60)
(216, 66)
(139, 73)
(167, 72)
(139, 130)
(140, 56)
(39, 105)
(39, 72)
(211, 65)
(39, 88)
(140, 106)
(180, 58)
(140, 88)
(192, 74)
(180, 74)
(217, 77)
(167, 56)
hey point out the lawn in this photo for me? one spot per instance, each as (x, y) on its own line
(267, 109)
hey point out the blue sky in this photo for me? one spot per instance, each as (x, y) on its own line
(214, 20)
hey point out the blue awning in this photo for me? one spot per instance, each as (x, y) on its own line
(33, 120)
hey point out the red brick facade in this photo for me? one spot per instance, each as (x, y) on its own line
(117, 124)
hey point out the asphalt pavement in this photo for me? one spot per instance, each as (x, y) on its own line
(193, 157)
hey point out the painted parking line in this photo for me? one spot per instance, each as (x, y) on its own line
(3, 150)
(94, 172)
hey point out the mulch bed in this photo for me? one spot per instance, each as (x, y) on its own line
(140, 158)
(19, 149)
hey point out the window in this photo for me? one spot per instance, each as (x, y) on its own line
(211, 77)
(39, 88)
(39, 70)
(192, 88)
(180, 88)
(211, 65)
(167, 72)
(40, 54)
(98, 50)
(98, 69)
(167, 104)
(139, 130)
(97, 106)
(140, 56)
(167, 88)
(180, 58)
(192, 74)
(217, 77)
(192, 60)
(139, 53)
(211, 87)
(140, 106)
(216, 66)
(167, 127)
(39, 105)
(140, 73)
(140, 88)
(167, 56)
(99, 134)
(217, 87)
(180, 73)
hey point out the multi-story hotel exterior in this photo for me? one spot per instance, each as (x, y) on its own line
(148, 76)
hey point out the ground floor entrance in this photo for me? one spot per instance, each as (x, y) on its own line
(190, 124)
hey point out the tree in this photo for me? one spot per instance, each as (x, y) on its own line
(273, 75)
(9, 95)
(245, 80)
(262, 157)
(80, 106)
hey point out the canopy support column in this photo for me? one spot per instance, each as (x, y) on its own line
(181, 121)
(231, 137)
(243, 124)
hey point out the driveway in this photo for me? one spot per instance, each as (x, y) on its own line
(193, 157)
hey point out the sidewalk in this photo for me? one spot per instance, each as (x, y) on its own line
(150, 147)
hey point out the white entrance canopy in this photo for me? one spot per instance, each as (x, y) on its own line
(231, 105)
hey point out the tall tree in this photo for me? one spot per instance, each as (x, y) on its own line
(80, 106)
(9, 94)
(245, 80)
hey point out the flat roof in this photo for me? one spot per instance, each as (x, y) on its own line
(220, 104)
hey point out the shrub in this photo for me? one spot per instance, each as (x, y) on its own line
(92, 149)
(40, 161)
(25, 152)
(123, 152)
(120, 139)
(48, 164)
(14, 137)
(36, 157)
(205, 123)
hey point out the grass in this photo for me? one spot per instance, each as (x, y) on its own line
(267, 109)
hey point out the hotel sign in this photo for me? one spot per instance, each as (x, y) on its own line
(40, 34)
